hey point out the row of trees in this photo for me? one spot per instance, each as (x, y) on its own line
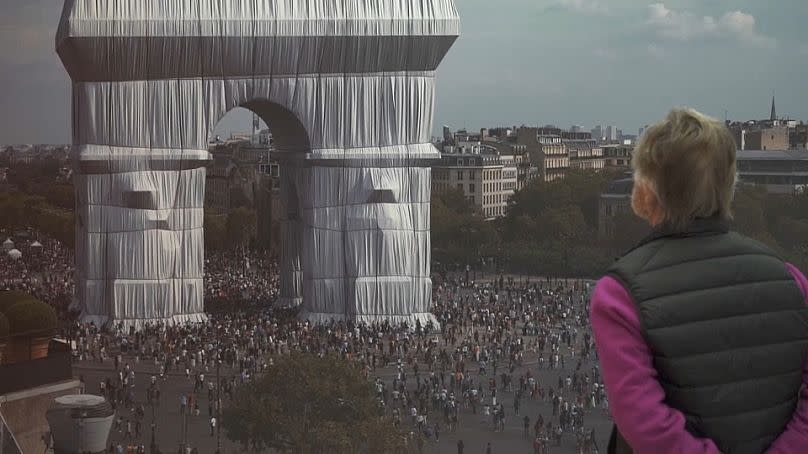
(19, 211)
(551, 228)
(233, 230)
(40, 178)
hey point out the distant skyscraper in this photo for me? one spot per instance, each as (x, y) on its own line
(619, 134)
(448, 137)
(576, 128)
(597, 132)
(611, 133)
(774, 111)
(642, 130)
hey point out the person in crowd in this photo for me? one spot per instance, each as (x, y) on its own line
(702, 333)
(502, 326)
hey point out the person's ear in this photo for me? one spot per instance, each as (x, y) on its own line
(645, 203)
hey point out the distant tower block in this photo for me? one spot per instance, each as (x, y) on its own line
(348, 89)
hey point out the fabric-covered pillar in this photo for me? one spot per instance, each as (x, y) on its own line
(140, 189)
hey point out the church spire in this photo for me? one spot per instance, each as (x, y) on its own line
(774, 111)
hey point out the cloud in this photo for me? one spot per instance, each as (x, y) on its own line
(593, 7)
(686, 26)
(656, 52)
(606, 54)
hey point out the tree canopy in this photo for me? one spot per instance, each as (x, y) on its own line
(306, 404)
(460, 235)
(21, 210)
(551, 228)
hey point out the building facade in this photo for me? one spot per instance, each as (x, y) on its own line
(617, 156)
(767, 138)
(585, 154)
(778, 171)
(546, 151)
(512, 152)
(798, 137)
(487, 180)
(615, 201)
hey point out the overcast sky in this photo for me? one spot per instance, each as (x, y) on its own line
(622, 62)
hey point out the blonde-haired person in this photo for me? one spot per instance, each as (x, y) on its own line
(702, 333)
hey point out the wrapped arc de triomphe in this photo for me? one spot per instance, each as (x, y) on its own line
(348, 89)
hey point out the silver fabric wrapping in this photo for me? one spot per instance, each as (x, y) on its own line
(348, 89)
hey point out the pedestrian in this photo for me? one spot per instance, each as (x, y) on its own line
(488, 449)
(212, 425)
(460, 446)
(526, 420)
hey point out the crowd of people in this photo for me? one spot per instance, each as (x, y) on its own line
(234, 278)
(44, 269)
(496, 341)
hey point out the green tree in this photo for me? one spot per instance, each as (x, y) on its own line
(306, 404)
(460, 235)
(241, 226)
(748, 210)
(215, 231)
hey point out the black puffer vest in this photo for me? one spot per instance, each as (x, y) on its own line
(728, 328)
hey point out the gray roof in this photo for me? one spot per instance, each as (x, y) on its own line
(580, 144)
(623, 186)
(769, 155)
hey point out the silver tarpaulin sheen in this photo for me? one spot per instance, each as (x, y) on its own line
(348, 89)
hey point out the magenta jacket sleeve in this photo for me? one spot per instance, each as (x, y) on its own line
(636, 398)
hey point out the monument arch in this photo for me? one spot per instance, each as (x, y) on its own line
(347, 87)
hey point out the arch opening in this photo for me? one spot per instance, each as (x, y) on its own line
(246, 210)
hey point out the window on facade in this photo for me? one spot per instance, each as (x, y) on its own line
(460, 186)
(472, 188)
(460, 175)
(472, 200)
(460, 161)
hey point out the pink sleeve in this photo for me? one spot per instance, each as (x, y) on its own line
(636, 398)
(795, 437)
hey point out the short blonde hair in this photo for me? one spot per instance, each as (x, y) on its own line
(688, 160)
